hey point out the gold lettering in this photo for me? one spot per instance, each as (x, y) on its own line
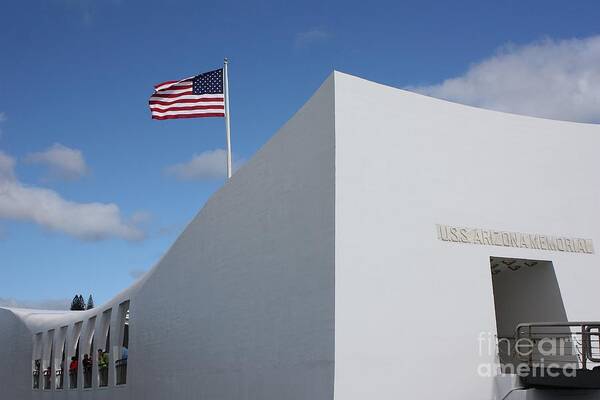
(443, 232)
(513, 239)
(569, 245)
(543, 242)
(463, 235)
(477, 236)
(534, 241)
(453, 234)
(485, 237)
(522, 241)
(497, 238)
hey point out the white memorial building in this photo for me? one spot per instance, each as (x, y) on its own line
(383, 245)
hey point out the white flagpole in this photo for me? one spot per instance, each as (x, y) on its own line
(227, 123)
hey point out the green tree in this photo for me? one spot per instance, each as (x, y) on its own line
(78, 304)
(90, 303)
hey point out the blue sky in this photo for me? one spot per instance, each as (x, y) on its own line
(76, 136)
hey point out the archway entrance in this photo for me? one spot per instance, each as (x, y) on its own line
(525, 291)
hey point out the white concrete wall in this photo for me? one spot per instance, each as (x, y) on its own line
(241, 307)
(242, 304)
(319, 259)
(409, 307)
(15, 355)
(18, 327)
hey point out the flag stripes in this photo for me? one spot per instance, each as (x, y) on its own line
(195, 97)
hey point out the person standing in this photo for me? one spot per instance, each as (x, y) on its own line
(73, 365)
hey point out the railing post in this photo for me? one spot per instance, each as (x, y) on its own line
(532, 347)
(584, 347)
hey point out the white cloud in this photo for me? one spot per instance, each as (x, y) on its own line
(64, 162)
(7, 167)
(551, 79)
(310, 37)
(209, 165)
(45, 207)
(47, 304)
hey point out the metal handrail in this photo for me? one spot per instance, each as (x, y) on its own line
(121, 371)
(561, 323)
(589, 347)
(579, 342)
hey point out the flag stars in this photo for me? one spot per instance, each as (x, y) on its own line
(209, 83)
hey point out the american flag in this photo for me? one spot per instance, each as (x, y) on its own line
(195, 97)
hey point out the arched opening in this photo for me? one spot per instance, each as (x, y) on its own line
(103, 361)
(123, 341)
(47, 362)
(74, 367)
(37, 360)
(61, 367)
(48, 372)
(525, 291)
(103, 353)
(87, 365)
(88, 355)
(74, 355)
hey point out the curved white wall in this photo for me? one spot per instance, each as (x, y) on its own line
(409, 307)
(242, 305)
(15, 353)
(316, 272)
